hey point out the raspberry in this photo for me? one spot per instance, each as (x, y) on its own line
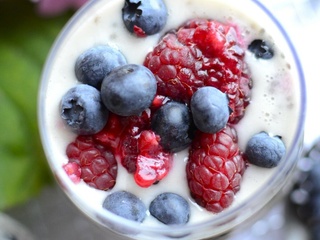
(97, 164)
(135, 146)
(128, 150)
(153, 164)
(120, 135)
(109, 136)
(215, 169)
(202, 53)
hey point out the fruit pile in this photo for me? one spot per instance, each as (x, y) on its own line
(189, 93)
(304, 198)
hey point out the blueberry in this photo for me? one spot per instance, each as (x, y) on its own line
(95, 63)
(126, 205)
(261, 49)
(305, 194)
(172, 122)
(149, 16)
(170, 209)
(210, 110)
(309, 214)
(304, 198)
(264, 150)
(128, 90)
(315, 232)
(82, 110)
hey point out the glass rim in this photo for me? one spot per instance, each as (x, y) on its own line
(228, 214)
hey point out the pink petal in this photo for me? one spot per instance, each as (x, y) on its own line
(55, 7)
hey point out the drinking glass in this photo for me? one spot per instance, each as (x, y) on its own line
(55, 140)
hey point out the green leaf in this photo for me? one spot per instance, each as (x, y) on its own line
(24, 44)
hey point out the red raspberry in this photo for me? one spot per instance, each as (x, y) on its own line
(128, 150)
(121, 135)
(215, 169)
(153, 164)
(98, 166)
(135, 146)
(202, 53)
(109, 135)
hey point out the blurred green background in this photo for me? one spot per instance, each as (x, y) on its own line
(25, 40)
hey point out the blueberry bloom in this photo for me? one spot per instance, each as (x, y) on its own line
(55, 7)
